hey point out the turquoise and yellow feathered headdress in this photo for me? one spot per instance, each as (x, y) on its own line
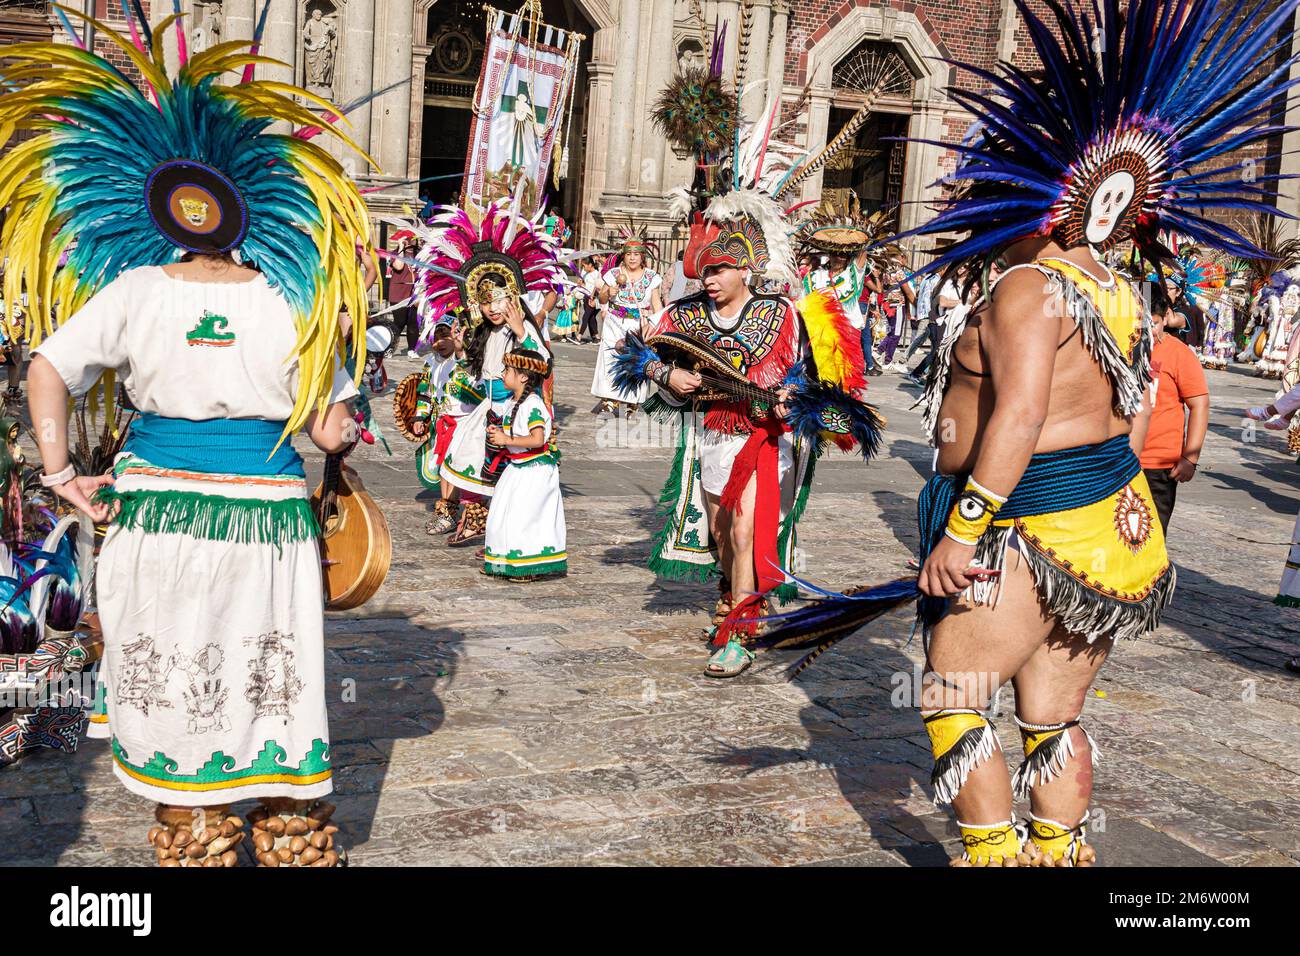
(120, 175)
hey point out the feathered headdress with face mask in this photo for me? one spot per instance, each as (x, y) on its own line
(1128, 130)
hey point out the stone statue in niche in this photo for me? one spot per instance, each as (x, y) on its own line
(207, 26)
(690, 54)
(319, 47)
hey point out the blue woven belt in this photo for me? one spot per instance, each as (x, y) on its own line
(240, 446)
(1053, 481)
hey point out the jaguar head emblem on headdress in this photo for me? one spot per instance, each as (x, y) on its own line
(195, 211)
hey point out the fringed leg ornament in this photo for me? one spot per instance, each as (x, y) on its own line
(177, 843)
(993, 844)
(290, 832)
(444, 517)
(1049, 843)
(1048, 748)
(961, 741)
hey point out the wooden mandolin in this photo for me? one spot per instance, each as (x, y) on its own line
(356, 547)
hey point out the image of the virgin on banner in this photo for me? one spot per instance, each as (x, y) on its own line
(519, 107)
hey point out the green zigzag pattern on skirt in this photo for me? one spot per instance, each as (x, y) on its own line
(527, 571)
(214, 517)
(220, 768)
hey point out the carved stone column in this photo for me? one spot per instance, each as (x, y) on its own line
(618, 175)
(356, 78)
(600, 85)
(659, 64)
(776, 49)
(390, 125)
(758, 97)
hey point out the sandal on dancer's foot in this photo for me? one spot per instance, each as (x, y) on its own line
(444, 517)
(730, 660)
(473, 525)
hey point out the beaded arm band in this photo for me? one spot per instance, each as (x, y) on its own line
(59, 478)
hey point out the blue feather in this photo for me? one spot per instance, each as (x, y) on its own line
(817, 407)
(823, 623)
(1198, 78)
(629, 372)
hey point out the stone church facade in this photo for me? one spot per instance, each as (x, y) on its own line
(615, 164)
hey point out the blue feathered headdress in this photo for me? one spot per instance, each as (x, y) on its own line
(1126, 131)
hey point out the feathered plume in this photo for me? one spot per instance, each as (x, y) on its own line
(454, 235)
(98, 137)
(871, 73)
(742, 46)
(1263, 232)
(1164, 91)
(821, 624)
(696, 112)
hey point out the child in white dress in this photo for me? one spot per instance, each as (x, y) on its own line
(525, 528)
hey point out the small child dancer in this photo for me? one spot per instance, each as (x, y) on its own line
(525, 528)
(446, 396)
(563, 328)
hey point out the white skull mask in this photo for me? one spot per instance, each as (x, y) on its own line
(1108, 205)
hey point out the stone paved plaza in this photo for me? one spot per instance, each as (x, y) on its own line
(568, 722)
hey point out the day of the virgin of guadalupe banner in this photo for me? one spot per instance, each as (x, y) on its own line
(523, 95)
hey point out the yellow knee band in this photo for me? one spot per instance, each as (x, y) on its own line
(1048, 748)
(995, 844)
(961, 740)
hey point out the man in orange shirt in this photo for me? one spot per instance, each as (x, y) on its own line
(1181, 414)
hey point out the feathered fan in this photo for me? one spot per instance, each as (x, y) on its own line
(697, 112)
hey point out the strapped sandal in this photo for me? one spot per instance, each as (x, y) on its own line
(731, 660)
(473, 525)
(176, 843)
(13, 395)
(289, 832)
(444, 517)
(1048, 843)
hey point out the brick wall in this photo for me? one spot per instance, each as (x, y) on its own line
(967, 31)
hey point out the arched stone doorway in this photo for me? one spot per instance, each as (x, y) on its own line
(889, 173)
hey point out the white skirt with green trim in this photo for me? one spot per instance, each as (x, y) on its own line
(526, 534)
(213, 670)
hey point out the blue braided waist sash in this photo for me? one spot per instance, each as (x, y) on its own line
(1053, 481)
(238, 446)
(219, 480)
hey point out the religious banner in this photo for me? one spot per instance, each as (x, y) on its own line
(523, 96)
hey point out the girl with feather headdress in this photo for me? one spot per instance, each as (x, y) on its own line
(631, 291)
(1038, 540)
(212, 255)
(505, 269)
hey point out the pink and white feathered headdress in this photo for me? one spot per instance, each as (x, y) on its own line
(467, 254)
